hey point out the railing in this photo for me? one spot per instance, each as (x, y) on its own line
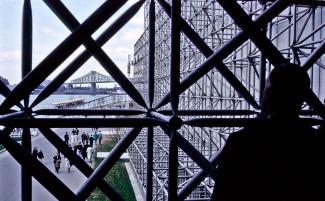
(113, 101)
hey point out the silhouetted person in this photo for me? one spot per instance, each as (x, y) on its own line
(35, 152)
(280, 158)
(91, 140)
(40, 155)
(66, 138)
(100, 137)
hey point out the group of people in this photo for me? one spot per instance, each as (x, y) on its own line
(86, 139)
(38, 154)
(82, 145)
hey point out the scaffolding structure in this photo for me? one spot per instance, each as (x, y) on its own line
(297, 32)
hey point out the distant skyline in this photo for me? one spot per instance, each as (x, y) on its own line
(48, 32)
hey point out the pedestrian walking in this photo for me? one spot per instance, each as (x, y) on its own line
(66, 138)
(89, 154)
(83, 138)
(78, 147)
(87, 138)
(67, 164)
(84, 151)
(35, 152)
(40, 156)
(100, 137)
(57, 162)
(95, 136)
(91, 141)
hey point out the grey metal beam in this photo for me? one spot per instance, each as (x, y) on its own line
(5, 91)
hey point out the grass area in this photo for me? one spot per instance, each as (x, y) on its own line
(117, 178)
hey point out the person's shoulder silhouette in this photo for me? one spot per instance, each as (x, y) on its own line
(278, 159)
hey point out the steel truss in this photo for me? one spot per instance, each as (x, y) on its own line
(200, 61)
(296, 31)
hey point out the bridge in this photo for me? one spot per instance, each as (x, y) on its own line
(92, 78)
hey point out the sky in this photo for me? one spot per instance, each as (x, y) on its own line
(48, 32)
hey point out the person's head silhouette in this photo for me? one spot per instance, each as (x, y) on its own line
(285, 90)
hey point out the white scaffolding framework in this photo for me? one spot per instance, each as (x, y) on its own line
(297, 32)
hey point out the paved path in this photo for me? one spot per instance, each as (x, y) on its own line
(10, 189)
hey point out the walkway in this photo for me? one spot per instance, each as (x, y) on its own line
(10, 189)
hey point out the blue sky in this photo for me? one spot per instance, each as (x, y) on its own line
(48, 32)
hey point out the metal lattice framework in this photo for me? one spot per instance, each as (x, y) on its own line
(295, 30)
(202, 57)
(92, 77)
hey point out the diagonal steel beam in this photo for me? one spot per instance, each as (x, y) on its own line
(78, 162)
(72, 23)
(13, 115)
(5, 91)
(85, 55)
(207, 51)
(37, 170)
(61, 52)
(197, 178)
(264, 44)
(227, 49)
(315, 55)
(194, 154)
(107, 164)
(254, 32)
